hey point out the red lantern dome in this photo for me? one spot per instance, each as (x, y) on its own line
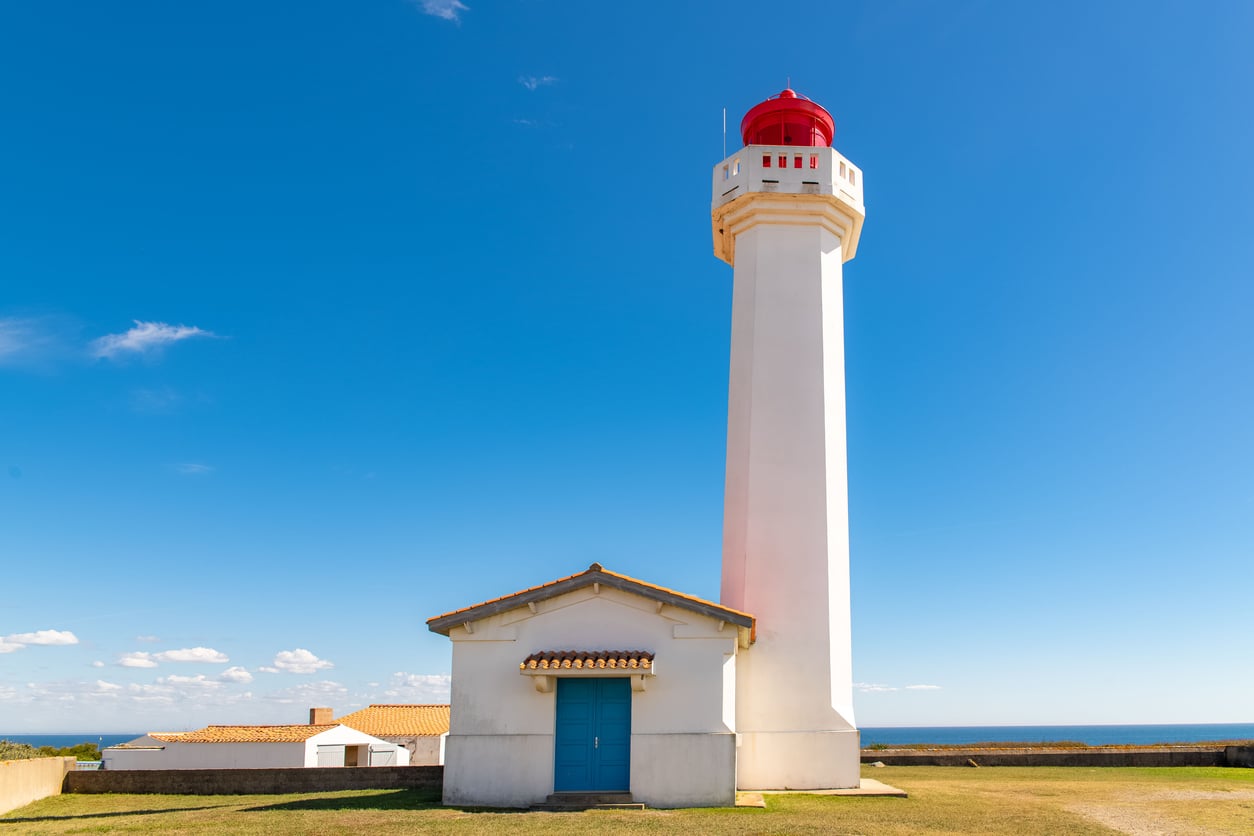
(788, 119)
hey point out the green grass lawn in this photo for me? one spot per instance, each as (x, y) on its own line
(995, 800)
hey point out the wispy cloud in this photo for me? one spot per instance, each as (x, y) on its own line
(879, 688)
(147, 639)
(192, 654)
(195, 682)
(111, 699)
(144, 338)
(311, 693)
(419, 687)
(17, 641)
(34, 342)
(19, 339)
(533, 82)
(193, 469)
(299, 660)
(443, 9)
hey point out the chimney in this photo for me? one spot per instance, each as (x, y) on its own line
(320, 717)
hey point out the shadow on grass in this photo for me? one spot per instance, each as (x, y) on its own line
(386, 800)
(27, 820)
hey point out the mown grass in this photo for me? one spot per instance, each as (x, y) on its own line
(1054, 744)
(948, 800)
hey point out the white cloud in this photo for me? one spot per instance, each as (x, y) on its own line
(235, 674)
(923, 687)
(50, 637)
(147, 639)
(443, 9)
(419, 687)
(138, 659)
(268, 669)
(299, 661)
(532, 82)
(873, 688)
(9, 647)
(144, 338)
(97, 664)
(106, 687)
(193, 469)
(192, 654)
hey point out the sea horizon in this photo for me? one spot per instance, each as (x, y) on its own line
(1110, 734)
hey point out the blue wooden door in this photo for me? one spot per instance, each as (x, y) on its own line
(592, 750)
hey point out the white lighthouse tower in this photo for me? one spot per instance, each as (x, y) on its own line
(787, 212)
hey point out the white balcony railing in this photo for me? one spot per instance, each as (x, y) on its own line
(786, 169)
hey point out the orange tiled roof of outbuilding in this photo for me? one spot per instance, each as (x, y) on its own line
(399, 720)
(243, 734)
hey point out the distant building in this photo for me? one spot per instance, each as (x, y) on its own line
(255, 747)
(422, 729)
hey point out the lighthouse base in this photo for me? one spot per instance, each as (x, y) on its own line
(798, 760)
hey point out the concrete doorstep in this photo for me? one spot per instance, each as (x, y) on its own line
(573, 802)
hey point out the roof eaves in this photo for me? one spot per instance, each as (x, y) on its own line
(593, 574)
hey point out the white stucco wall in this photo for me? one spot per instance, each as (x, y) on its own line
(424, 749)
(500, 745)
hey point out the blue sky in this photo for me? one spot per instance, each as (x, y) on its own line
(319, 319)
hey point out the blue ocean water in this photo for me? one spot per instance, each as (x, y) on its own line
(60, 741)
(1090, 735)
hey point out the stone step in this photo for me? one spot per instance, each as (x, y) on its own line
(572, 801)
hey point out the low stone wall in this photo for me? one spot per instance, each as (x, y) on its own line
(1239, 755)
(255, 781)
(24, 781)
(1162, 756)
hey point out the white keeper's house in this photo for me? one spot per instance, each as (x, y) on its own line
(593, 683)
(601, 683)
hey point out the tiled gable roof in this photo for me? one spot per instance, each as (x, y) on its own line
(594, 574)
(555, 660)
(398, 720)
(243, 734)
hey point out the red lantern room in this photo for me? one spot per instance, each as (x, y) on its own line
(788, 119)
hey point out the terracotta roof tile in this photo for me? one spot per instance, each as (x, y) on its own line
(593, 574)
(243, 734)
(553, 660)
(399, 720)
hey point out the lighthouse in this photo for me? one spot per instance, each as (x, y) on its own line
(787, 212)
